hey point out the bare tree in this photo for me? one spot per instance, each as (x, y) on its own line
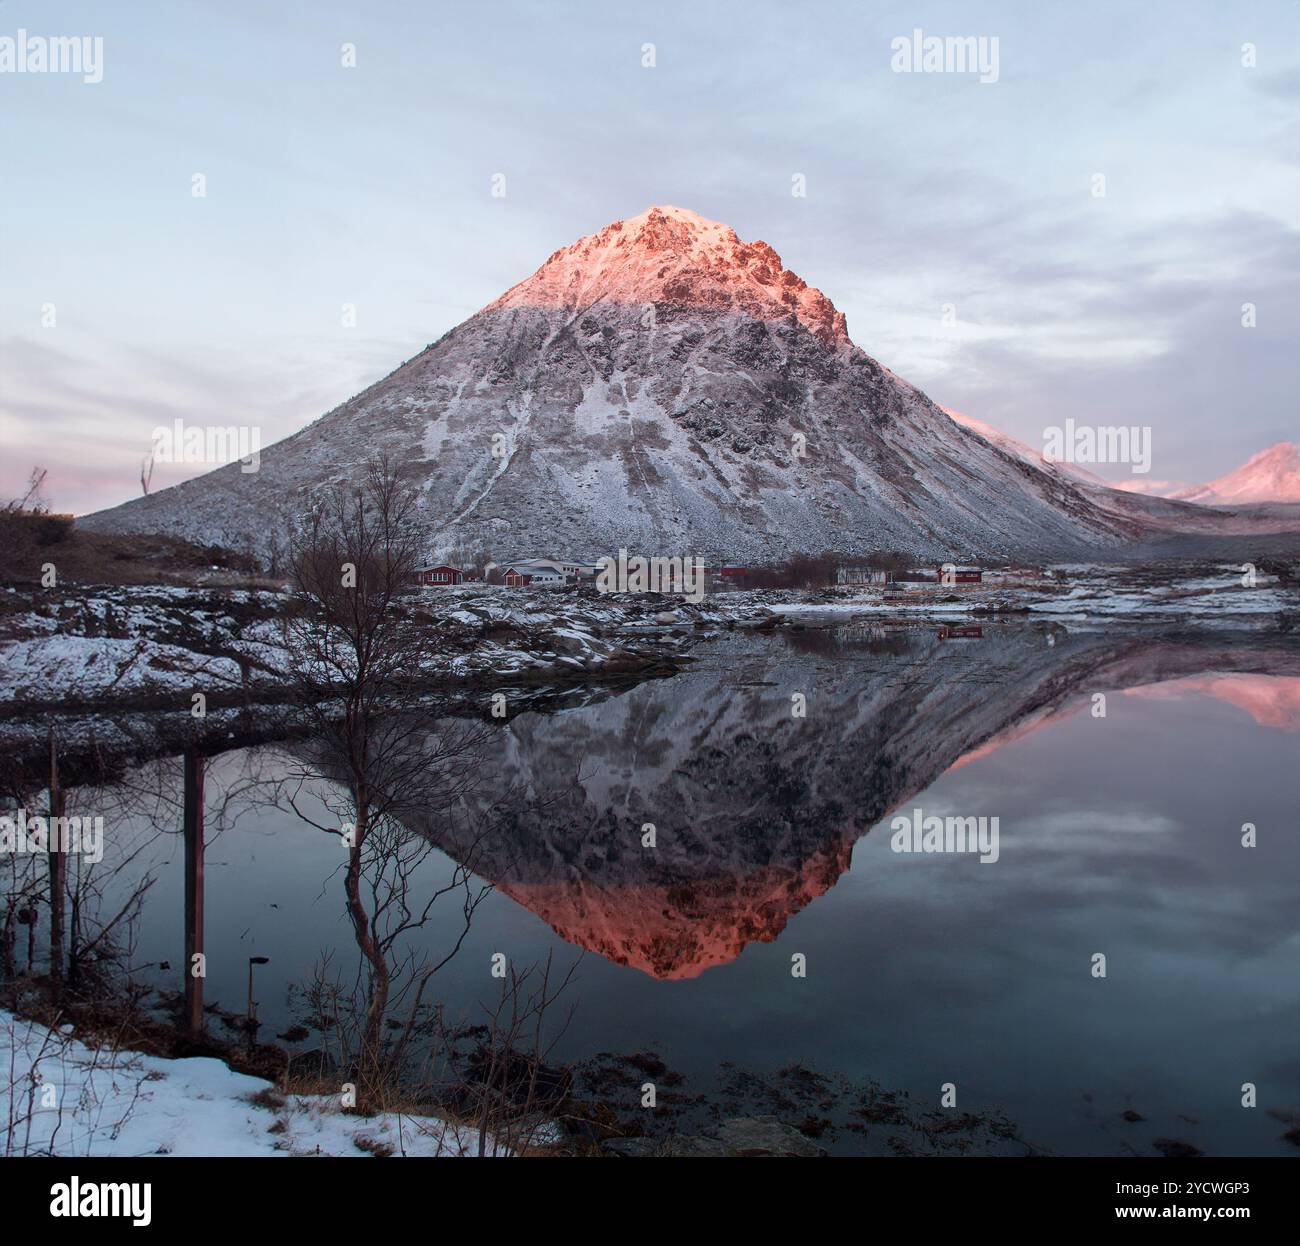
(356, 650)
(32, 500)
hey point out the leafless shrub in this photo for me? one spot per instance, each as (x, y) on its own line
(356, 651)
(512, 1090)
(61, 1096)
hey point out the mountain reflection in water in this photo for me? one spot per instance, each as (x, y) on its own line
(755, 810)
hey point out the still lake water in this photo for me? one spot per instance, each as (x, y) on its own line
(1119, 835)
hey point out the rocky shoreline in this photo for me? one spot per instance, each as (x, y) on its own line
(152, 647)
(93, 646)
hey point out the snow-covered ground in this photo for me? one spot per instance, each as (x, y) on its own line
(59, 1096)
(96, 645)
(92, 644)
(100, 666)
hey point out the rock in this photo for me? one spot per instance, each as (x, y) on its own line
(750, 1135)
(567, 642)
(666, 617)
(672, 1144)
(764, 1135)
(1175, 1148)
(632, 1148)
(706, 1148)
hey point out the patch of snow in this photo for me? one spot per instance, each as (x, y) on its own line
(122, 1103)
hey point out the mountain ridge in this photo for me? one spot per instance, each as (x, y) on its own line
(663, 386)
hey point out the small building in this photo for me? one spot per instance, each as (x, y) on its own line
(546, 577)
(523, 575)
(547, 571)
(531, 566)
(439, 575)
(964, 575)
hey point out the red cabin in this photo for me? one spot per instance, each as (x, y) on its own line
(439, 576)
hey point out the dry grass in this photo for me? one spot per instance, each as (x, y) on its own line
(28, 542)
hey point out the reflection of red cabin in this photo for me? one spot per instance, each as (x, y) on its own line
(913, 577)
(970, 631)
(439, 575)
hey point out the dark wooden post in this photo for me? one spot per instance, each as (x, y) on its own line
(193, 889)
(58, 863)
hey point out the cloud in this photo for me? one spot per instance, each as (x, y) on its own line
(371, 186)
(87, 413)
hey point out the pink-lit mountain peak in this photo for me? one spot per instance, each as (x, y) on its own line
(1272, 475)
(674, 257)
(659, 234)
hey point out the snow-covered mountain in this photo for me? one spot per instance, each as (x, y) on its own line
(663, 386)
(1171, 507)
(1147, 487)
(1272, 475)
(1026, 453)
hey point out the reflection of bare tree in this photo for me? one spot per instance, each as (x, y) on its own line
(93, 905)
(23, 885)
(90, 970)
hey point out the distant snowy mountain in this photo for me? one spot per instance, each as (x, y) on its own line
(662, 386)
(1272, 475)
(1154, 488)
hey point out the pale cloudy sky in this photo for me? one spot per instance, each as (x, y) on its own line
(372, 186)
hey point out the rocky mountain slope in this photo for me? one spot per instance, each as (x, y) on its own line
(663, 386)
(1071, 472)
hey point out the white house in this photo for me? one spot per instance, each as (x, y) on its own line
(542, 575)
(549, 570)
